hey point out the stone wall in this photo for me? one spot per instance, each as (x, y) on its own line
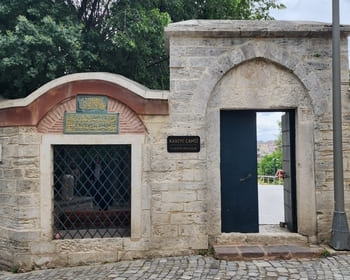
(176, 204)
(262, 65)
(26, 176)
(19, 193)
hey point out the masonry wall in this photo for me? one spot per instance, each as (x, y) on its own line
(201, 68)
(178, 206)
(26, 237)
(19, 193)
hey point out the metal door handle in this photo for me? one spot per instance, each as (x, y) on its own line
(245, 178)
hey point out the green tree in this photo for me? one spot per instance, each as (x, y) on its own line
(35, 48)
(270, 163)
(42, 40)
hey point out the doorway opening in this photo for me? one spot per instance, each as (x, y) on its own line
(272, 158)
(258, 186)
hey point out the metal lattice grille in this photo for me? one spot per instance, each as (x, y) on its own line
(92, 191)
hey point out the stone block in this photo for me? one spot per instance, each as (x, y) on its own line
(205, 51)
(177, 62)
(11, 140)
(202, 62)
(88, 245)
(26, 235)
(81, 258)
(43, 261)
(193, 186)
(165, 231)
(7, 199)
(8, 186)
(130, 255)
(42, 247)
(192, 230)
(185, 85)
(179, 196)
(23, 261)
(160, 218)
(8, 131)
(26, 162)
(146, 158)
(197, 242)
(182, 73)
(14, 173)
(29, 150)
(163, 207)
(190, 164)
(156, 196)
(27, 139)
(27, 186)
(202, 195)
(135, 245)
(28, 200)
(10, 151)
(32, 173)
(188, 218)
(159, 187)
(146, 224)
(27, 213)
(162, 165)
(195, 206)
(27, 130)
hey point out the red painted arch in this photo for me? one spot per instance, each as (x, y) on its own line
(31, 114)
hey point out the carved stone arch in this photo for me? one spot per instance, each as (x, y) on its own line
(270, 52)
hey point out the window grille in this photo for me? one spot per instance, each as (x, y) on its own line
(92, 191)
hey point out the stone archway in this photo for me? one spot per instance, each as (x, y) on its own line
(256, 50)
(259, 84)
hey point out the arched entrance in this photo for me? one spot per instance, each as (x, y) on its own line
(256, 85)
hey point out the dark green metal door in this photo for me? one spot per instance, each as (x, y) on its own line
(239, 190)
(288, 165)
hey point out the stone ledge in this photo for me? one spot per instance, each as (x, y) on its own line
(251, 28)
(248, 252)
(260, 238)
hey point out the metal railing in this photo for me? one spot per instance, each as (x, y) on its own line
(266, 179)
(92, 191)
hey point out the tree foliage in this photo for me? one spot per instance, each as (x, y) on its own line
(270, 163)
(42, 40)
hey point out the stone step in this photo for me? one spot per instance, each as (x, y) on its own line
(260, 238)
(249, 252)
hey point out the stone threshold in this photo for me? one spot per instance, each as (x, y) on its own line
(249, 252)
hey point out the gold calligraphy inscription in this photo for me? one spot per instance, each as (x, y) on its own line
(91, 123)
(91, 103)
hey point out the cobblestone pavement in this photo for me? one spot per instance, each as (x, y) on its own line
(198, 267)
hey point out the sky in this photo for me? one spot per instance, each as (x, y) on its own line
(313, 10)
(267, 125)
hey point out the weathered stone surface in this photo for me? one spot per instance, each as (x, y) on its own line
(166, 231)
(214, 65)
(178, 196)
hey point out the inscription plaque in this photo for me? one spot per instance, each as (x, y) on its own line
(92, 104)
(183, 144)
(87, 123)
